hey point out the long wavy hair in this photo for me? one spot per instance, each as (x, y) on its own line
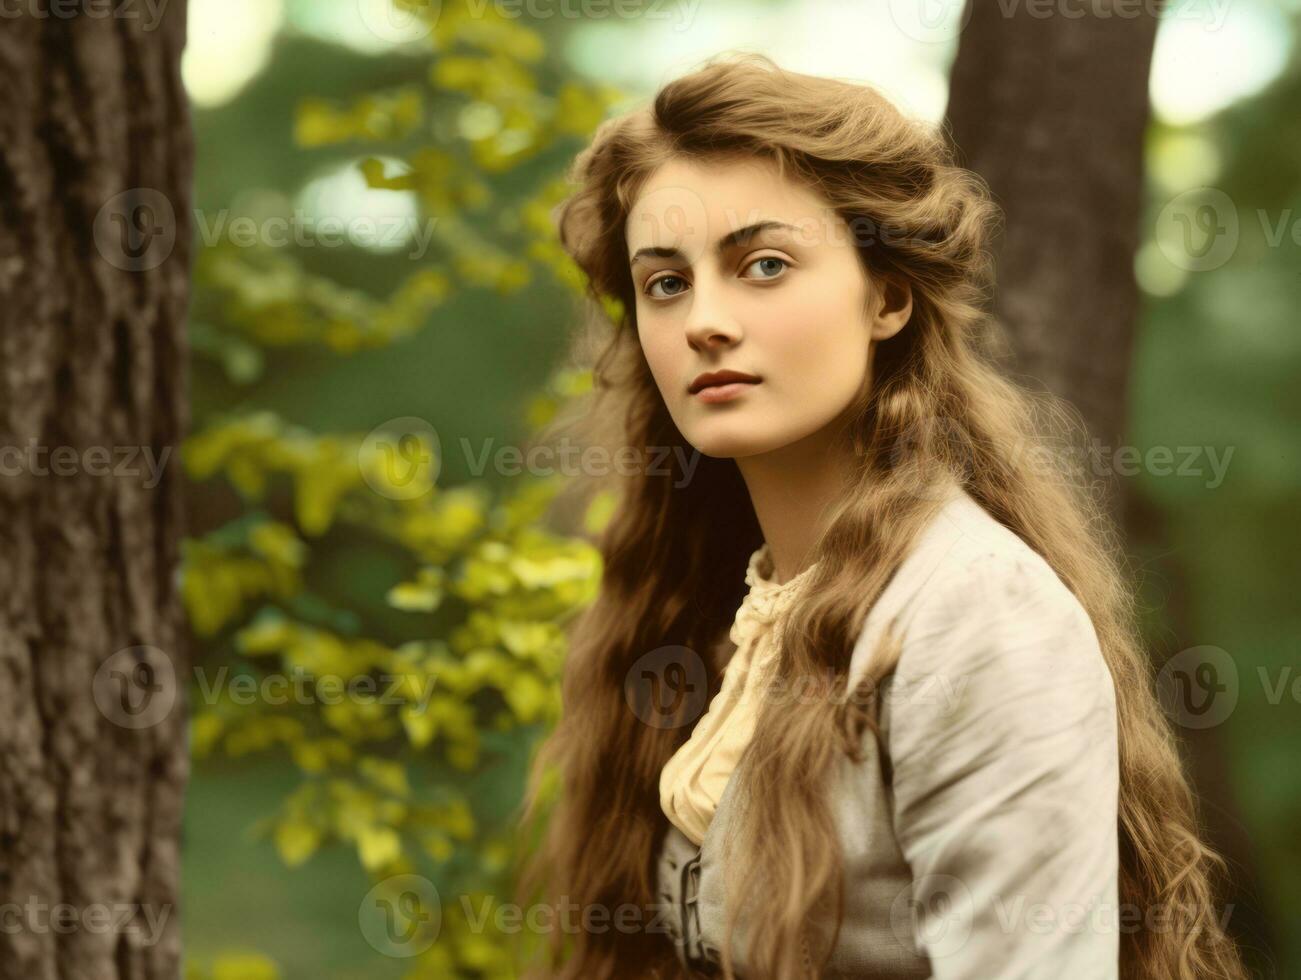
(934, 408)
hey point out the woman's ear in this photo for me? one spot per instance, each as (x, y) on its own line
(892, 307)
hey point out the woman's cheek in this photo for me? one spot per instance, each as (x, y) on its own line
(660, 359)
(827, 366)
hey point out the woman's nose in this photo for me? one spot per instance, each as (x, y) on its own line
(709, 322)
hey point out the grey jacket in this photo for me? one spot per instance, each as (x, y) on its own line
(983, 843)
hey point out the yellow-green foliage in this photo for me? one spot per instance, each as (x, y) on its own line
(499, 583)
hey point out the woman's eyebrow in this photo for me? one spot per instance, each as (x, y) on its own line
(741, 236)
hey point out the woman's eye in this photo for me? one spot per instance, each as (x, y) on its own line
(775, 268)
(677, 281)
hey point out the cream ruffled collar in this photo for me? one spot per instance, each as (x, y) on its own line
(766, 599)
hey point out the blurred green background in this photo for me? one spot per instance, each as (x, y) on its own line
(319, 344)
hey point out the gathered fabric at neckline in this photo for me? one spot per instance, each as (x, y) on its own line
(693, 780)
(766, 599)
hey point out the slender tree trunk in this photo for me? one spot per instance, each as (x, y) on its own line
(93, 293)
(1051, 110)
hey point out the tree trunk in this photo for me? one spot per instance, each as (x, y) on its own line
(1051, 110)
(94, 285)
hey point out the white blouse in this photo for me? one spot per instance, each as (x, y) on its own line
(692, 781)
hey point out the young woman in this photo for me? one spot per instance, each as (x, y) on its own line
(862, 694)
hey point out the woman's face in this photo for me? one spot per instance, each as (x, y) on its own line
(736, 269)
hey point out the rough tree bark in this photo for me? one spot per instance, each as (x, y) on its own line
(1050, 107)
(1051, 112)
(93, 295)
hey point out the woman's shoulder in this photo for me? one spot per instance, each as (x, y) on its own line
(963, 535)
(999, 664)
(968, 556)
(969, 576)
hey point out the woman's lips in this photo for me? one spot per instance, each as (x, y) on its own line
(725, 392)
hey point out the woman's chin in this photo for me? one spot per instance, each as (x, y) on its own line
(729, 446)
